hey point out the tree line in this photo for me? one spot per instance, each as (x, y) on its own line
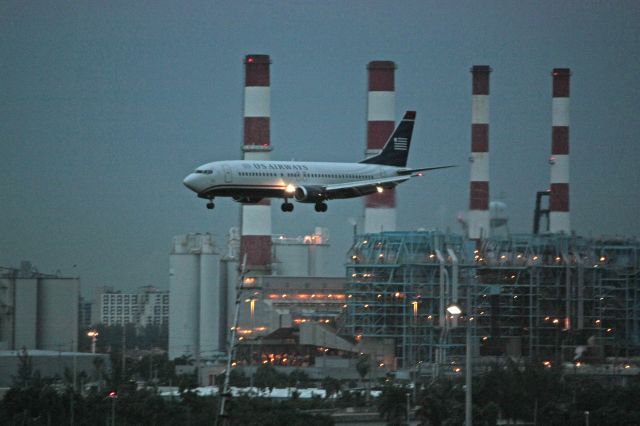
(530, 393)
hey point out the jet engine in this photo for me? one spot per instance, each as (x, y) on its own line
(309, 194)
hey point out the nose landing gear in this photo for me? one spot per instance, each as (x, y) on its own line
(210, 204)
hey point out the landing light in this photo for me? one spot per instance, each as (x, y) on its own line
(290, 189)
(379, 189)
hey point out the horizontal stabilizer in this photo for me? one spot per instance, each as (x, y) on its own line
(414, 172)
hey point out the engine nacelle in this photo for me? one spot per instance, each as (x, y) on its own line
(309, 194)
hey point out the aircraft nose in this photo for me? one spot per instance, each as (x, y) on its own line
(191, 182)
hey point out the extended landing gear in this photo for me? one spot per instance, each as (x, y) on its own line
(321, 207)
(210, 204)
(286, 207)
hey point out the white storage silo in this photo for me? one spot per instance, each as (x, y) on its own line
(210, 298)
(195, 303)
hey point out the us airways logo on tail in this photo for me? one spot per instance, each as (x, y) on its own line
(400, 144)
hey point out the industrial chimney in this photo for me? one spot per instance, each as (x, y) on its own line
(479, 170)
(379, 211)
(255, 240)
(559, 219)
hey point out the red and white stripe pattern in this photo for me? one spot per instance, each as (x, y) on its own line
(255, 238)
(479, 170)
(559, 219)
(380, 208)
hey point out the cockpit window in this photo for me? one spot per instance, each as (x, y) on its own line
(205, 172)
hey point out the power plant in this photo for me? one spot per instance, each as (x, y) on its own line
(550, 295)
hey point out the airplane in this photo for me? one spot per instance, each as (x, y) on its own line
(250, 181)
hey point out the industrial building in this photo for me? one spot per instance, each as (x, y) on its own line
(204, 279)
(549, 295)
(38, 311)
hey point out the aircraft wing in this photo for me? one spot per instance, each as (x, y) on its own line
(362, 187)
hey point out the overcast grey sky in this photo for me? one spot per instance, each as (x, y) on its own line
(106, 106)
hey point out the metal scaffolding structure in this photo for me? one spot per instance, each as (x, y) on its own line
(552, 296)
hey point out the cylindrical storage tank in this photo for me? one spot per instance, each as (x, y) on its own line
(184, 304)
(559, 219)
(210, 300)
(379, 211)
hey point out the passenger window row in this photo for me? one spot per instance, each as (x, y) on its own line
(322, 175)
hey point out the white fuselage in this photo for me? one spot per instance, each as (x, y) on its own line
(259, 179)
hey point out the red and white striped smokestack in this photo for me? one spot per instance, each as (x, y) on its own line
(255, 238)
(380, 208)
(559, 219)
(479, 170)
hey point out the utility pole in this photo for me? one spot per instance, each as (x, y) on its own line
(468, 406)
(408, 407)
(124, 350)
(225, 395)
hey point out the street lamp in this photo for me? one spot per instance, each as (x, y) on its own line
(114, 396)
(94, 337)
(454, 309)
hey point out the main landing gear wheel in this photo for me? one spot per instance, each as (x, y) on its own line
(210, 205)
(286, 207)
(321, 207)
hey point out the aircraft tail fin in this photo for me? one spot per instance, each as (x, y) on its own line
(396, 150)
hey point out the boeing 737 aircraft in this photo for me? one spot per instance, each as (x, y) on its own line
(249, 181)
